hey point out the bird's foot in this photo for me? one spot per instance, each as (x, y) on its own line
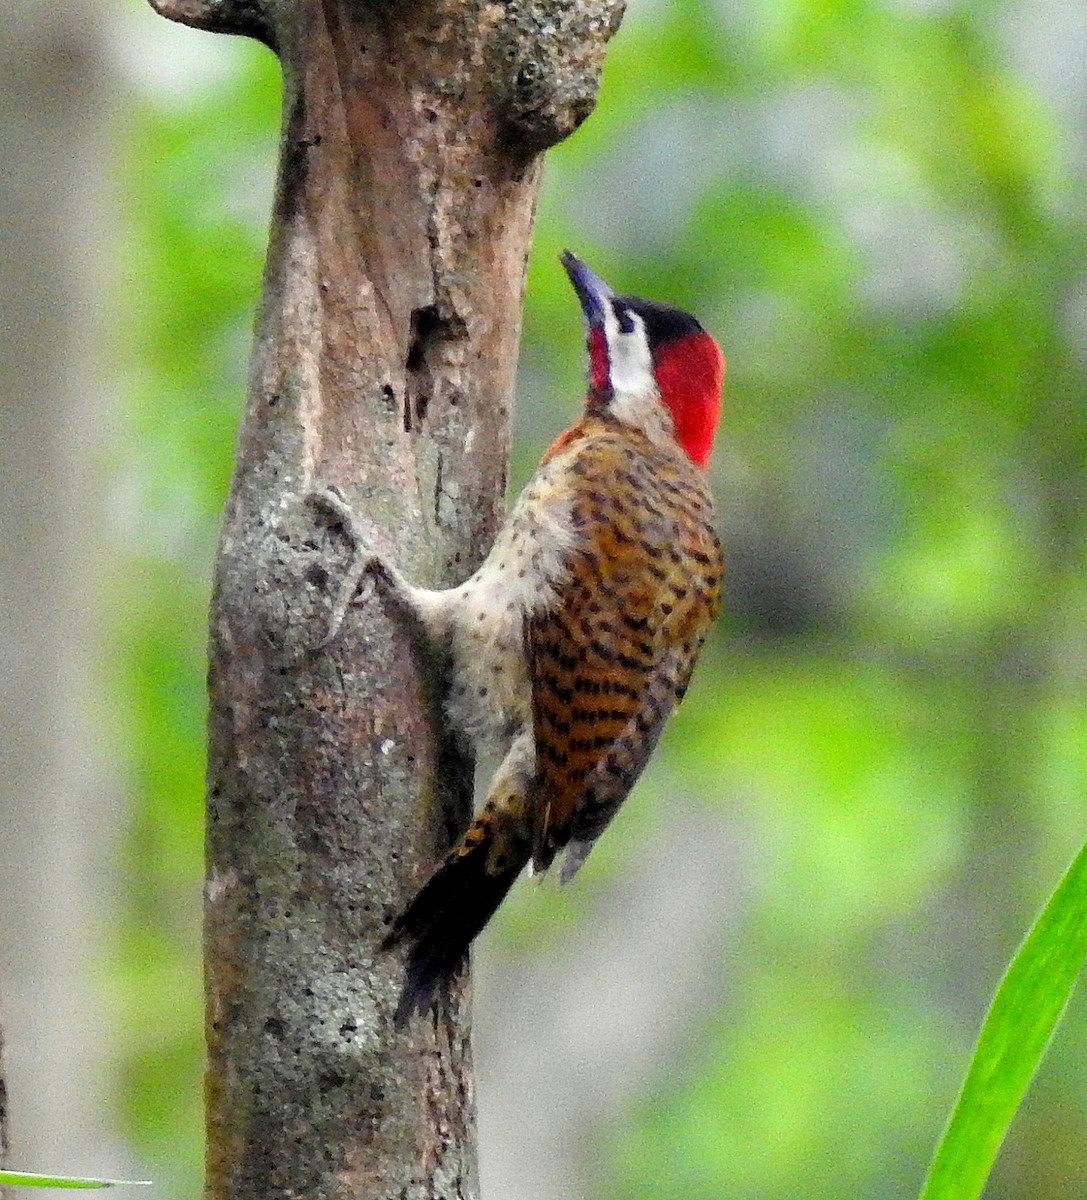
(365, 562)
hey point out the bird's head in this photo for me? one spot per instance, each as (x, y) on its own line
(651, 365)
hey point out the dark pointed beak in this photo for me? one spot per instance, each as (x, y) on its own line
(592, 291)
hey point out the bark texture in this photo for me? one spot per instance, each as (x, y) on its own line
(384, 365)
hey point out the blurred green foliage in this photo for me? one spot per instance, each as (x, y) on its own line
(882, 217)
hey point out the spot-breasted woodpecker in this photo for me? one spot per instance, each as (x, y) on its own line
(572, 643)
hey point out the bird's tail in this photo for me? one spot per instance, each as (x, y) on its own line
(442, 920)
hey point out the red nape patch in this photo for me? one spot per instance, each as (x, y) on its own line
(690, 374)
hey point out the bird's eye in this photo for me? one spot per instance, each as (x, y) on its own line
(625, 318)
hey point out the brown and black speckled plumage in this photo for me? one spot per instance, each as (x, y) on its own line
(574, 641)
(611, 657)
(594, 659)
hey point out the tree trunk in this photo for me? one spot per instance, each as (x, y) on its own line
(384, 365)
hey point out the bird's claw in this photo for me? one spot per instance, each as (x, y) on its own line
(330, 500)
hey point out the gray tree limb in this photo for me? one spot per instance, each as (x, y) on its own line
(383, 365)
(60, 797)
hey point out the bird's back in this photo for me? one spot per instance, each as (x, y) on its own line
(611, 656)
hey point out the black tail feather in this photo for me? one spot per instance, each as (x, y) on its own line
(443, 919)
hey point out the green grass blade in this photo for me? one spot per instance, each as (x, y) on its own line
(26, 1179)
(1021, 1020)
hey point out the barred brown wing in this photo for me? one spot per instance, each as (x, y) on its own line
(611, 656)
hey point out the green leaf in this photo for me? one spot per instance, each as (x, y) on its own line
(25, 1179)
(1021, 1020)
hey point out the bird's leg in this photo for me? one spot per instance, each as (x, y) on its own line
(365, 561)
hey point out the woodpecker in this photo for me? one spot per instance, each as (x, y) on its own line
(573, 642)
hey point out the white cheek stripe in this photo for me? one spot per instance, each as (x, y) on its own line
(636, 399)
(630, 363)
